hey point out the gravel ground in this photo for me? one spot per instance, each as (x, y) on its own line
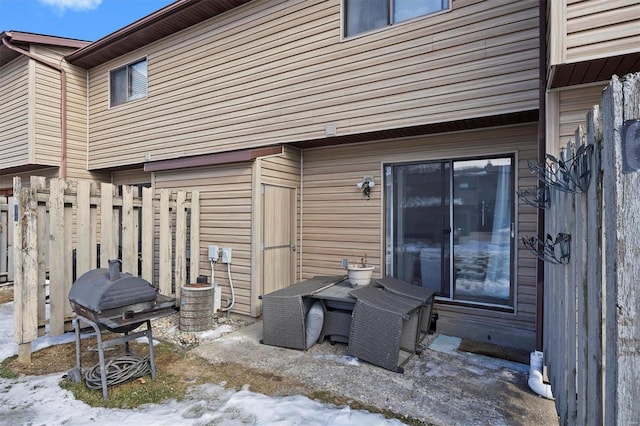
(167, 329)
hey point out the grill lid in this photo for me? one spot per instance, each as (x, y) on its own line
(99, 290)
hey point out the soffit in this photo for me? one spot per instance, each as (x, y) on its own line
(594, 70)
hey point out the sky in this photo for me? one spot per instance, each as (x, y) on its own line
(39, 400)
(87, 20)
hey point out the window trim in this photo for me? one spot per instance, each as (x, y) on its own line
(127, 65)
(344, 37)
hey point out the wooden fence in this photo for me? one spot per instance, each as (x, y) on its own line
(592, 298)
(6, 240)
(80, 226)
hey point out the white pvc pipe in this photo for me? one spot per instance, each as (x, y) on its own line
(536, 382)
(233, 296)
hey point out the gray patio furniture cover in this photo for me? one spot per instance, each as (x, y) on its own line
(383, 323)
(284, 312)
(402, 288)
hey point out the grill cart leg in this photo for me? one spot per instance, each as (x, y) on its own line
(152, 360)
(76, 327)
(76, 373)
(103, 370)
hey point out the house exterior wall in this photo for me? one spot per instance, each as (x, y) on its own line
(47, 133)
(46, 117)
(583, 30)
(30, 132)
(225, 220)
(276, 72)
(598, 29)
(574, 105)
(339, 222)
(14, 115)
(131, 177)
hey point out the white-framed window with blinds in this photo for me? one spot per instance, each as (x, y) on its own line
(360, 16)
(128, 83)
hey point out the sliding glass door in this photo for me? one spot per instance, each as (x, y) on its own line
(449, 227)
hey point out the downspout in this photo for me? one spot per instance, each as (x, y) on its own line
(63, 101)
(542, 152)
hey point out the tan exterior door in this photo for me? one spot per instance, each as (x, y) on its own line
(278, 237)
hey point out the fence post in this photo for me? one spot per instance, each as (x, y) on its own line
(26, 271)
(622, 230)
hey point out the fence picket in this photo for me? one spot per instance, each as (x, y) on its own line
(83, 251)
(578, 237)
(147, 234)
(593, 373)
(39, 183)
(107, 242)
(165, 244)
(181, 242)
(195, 235)
(4, 242)
(129, 249)
(57, 294)
(51, 206)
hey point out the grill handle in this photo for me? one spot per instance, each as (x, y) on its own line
(114, 269)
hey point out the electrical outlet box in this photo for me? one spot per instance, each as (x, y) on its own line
(214, 252)
(345, 263)
(226, 255)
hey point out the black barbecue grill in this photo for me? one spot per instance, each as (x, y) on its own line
(105, 298)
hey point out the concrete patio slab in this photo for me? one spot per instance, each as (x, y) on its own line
(441, 386)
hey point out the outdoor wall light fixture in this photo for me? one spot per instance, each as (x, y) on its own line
(366, 184)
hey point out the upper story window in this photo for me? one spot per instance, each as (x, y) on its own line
(366, 15)
(128, 82)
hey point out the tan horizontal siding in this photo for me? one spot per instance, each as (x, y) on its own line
(601, 28)
(339, 222)
(47, 124)
(574, 106)
(14, 114)
(272, 72)
(225, 213)
(6, 181)
(47, 110)
(131, 177)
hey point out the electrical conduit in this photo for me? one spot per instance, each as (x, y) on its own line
(536, 383)
(233, 296)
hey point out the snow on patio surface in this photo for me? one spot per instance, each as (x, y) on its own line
(38, 400)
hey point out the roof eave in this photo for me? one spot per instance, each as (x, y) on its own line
(175, 17)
